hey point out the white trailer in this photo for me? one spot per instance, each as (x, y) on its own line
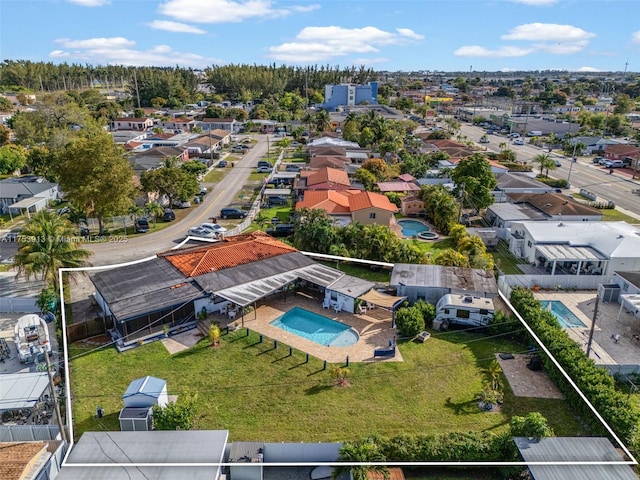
(463, 310)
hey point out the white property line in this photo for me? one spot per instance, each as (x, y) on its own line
(69, 413)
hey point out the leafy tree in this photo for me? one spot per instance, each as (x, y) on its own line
(366, 137)
(439, 135)
(623, 103)
(379, 168)
(46, 243)
(170, 180)
(42, 161)
(47, 300)
(340, 376)
(410, 321)
(314, 231)
(5, 135)
(95, 176)
(214, 334)
(450, 258)
(395, 198)
(194, 167)
(474, 178)
(12, 158)
(441, 207)
(5, 105)
(532, 425)
(176, 416)
(351, 131)
(427, 310)
(367, 451)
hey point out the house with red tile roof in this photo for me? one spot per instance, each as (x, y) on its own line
(175, 286)
(325, 178)
(347, 206)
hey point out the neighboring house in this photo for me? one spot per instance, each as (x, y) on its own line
(346, 94)
(347, 206)
(172, 287)
(502, 215)
(398, 187)
(154, 157)
(30, 194)
(182, 124)
(331, 142)
(411, 205)
(220, 137)
(626, 153)
(322, 179)
(556, 206)
(138, 124)
(201, 146)
(489, 236)
(326, 151)
(431, 282)
(126, 136)
(227, 124)
(517, 182)
(591, 144)
(577, 248)
(332, 161)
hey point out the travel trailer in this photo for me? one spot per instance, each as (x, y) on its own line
(463, 310)
(31, 336)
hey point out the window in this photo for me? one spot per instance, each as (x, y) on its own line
(372, 215)
(483, 311)
(463, 313)
(529, 244)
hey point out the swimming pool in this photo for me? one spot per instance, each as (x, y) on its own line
(317, 328)
(411, 228)
(566, 317)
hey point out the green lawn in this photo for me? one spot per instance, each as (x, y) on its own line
(615, 215)
(257, 392)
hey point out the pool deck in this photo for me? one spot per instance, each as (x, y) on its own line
(373, 328)
(610, 321)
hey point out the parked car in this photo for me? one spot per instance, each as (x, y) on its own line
(168, 215)
(518, 141)
(238, 149)
(233, 213)
(203, 190)
(292, 168)
(614, 164)
(514, 135)
(214, 227)
(263, 169)
(141, 225)
(558, 163)
(602, 161)
(222, 163)
(264, 163)
(277, 200)
(83, 230)
(484, 139)
(202, 233)
(181, 203)
(281, 230)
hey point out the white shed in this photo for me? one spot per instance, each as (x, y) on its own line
(146, 392)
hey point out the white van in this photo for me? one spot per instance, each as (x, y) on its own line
(534, 133)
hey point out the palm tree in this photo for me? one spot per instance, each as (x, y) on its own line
(546, 162)
(155, 210)
(322, 120)
(366, 451)
(47, 243)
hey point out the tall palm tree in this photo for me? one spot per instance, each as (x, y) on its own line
(47, 243)
(322, 120)
(545, 161)
(366, 451)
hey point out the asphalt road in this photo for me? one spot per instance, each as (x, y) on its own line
(220, 195)
(617, 187)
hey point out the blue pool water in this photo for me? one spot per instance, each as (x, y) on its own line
(566, 317)
(411, 228)
(317, 328)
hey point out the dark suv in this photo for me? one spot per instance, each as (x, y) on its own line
(142, 225)
(168, 215)
(233, 213)
(281, 230)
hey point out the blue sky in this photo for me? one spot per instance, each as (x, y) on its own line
(454, 35)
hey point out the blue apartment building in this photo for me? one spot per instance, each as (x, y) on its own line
(347, 94)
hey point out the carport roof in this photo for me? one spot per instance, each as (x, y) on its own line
(22, 390)
(567, 252)
(28, 202)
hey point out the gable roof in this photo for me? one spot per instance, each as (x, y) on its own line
(148, 386)
(406, 177)
(333, 161)
(233, 251)
(622, 149)
(17, 458)
(518, 180)
(332, 177)
(398, 186)
(553, 204)
(332, 150)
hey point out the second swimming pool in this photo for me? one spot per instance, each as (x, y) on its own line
(565, 317)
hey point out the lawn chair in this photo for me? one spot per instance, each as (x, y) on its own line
(338, 307)
(362, 309)
(326, 303)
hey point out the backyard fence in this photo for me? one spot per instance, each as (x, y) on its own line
(90, 328)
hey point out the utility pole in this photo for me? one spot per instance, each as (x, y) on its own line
(593, 325)
(56, 405)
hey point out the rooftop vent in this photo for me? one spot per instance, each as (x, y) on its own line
(561, 224)
(620, 236)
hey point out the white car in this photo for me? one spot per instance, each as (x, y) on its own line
(202, 233)
(518, 141)
(214, 227)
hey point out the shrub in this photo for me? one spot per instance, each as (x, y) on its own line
(410, 321)
(553, 182)
(534, 425)
(175, 416)
(428, 312)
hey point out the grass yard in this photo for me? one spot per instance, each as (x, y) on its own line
(432, 248)
(257, 392)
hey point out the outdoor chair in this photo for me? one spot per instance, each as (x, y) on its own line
(362, 309)
(338, 307)
(326, 303)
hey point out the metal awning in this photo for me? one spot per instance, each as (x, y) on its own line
(28, 202)
(568, 253)
(247, 293)
(285, 192)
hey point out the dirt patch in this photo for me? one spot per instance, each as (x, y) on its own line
(182, 341)
(525, 382)
(94, 341)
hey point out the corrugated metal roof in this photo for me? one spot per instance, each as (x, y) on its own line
(573, 449)
(567, 252)
(22, 390)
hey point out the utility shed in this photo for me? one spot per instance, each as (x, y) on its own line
(573, 449)
(136, 419)
(146, 392)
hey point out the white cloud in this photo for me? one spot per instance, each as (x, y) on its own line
(537, 32)
(635, 37)
(90, 3)
(174, 27)
(112, 42)
(58, 54)
(588, 69)
(318, 44)
(227, 11)
(119, 51)
(477, 51)
(536, 3)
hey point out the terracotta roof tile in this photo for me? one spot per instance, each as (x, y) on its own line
(16, 458)
(329, 176)
(231, 252)
(371, 200)
(344, 201)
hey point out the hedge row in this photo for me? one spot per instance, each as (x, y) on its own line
(595, 382)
